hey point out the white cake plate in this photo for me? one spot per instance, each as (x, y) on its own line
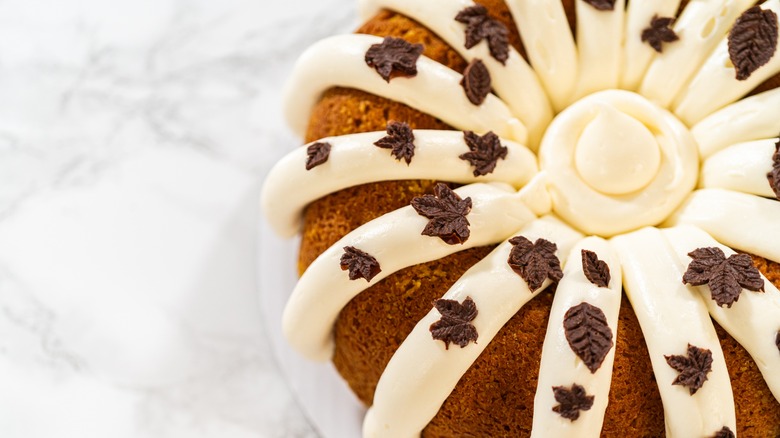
(322, 394)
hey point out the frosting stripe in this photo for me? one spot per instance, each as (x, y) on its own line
(435, 90)
(701, 26)
(422, 373)
(637, 54)
(599, 42)
(550, 45)
(745, 222)
(749, 119)
(742, 167)
(672, 317)
(559, 365)
(516, 83)
(752, 320)
(716, 85)
(354, 160)
(324, 289)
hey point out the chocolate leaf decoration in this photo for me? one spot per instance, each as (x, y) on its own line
(596, 271)
(659, 32)
(455, 324)
(317, 154)
(725, 432)
(752, 41)
(485, 152)
(534, 262)
(476, 82)
(588, 333)
(725, 277)
(774, 175)
(480, 26)
(447, 213)
(693, 368)
(400, 140)
(394, 57)
(602, 5)
(359, 263)
(572, 401)
(777, 340)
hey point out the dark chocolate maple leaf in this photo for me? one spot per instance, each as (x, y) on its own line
(394, 57)
(572, 401)
(400, 140)
(359, 263)
(485, 152)
(725, 432)
(316, 154)
(476, 82)
(480, 26)
(534, 262)
(659, 32)
(447, 213)
(725, 277)
(455, 324)
(596, 271)
(602, 5)
(774, 175)
(753, 40)
(588, 333)
(693, 368)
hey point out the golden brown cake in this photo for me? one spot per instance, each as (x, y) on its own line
(499, 393)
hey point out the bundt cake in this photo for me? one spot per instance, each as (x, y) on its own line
(543, 218)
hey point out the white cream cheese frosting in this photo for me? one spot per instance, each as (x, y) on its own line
(630, 135)
(599, 44)
(716, 85)
(324, 289)
(354, 160)
(550, 45)
(422, 372)
(560, 366)
(701, 27)
(515, 82)
(741, 167)
(752, 118)
(637, 54)
(435, 90)
(745, 222)
(753, 320)
(672, 317)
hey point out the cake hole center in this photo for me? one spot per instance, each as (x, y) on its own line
(616, 154)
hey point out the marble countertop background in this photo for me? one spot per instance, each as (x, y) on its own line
(134, 136)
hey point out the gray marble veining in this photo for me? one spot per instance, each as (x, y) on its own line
(133, 140)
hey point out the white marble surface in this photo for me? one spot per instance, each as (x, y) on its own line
(133, 139)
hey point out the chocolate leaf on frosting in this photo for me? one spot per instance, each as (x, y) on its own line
(588, 333)
(752, 40)
(484, 152)
(359, 263)
(693, 368)
(572, 401)
(534, 262)
(400, 140)
(447, 213)
(725, 277)
(602, 5)
(480, 26)
(596, 271)
(394, 57)
(476, 82)
(725, 432)
(659, 32)
(317, 154)
(777, 340)
(774, 175)
(455, 324)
